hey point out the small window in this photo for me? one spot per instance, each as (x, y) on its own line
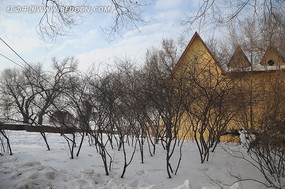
(270, 62)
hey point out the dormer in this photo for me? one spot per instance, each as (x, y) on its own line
(272, 57)
(239, 60)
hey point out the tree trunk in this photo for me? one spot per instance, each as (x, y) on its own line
(80, 145)
(45, 139)
(8, 141)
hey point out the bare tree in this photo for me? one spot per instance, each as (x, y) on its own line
(208, 103)
(165, 96)
(136, 108)
(64, 119)
(101, 97)
(267, 138)
(216, 13)
(4, 134)
(49, 90)
(59, 16)
(31, 91)
(77, 101)
(250, 36)
(121, 116)
(17, 94)
(263, 133)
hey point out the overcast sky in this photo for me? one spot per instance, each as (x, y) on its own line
(86, 41)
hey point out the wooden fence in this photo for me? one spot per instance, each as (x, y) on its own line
(41, 128)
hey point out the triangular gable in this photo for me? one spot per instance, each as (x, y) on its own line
(272, 57)
(196, 36)
(239, 59)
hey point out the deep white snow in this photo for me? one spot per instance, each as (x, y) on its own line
(32, 166)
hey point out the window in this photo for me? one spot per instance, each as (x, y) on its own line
(270, 62)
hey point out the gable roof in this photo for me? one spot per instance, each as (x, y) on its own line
(196, 36)
(262, 66)
(271, 48)
(238, 55)
(239, 59)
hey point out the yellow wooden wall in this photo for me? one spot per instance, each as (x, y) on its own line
(198, 57)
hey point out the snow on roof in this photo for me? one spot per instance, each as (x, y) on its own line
(256, 68)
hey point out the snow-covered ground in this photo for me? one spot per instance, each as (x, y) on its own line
(32, 166)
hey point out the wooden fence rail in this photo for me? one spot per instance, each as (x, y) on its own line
(41, 128)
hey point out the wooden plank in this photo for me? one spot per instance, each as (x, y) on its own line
(50, 129)
(15, 127)
(41, 128)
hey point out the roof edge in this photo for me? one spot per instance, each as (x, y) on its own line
(196, 35)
